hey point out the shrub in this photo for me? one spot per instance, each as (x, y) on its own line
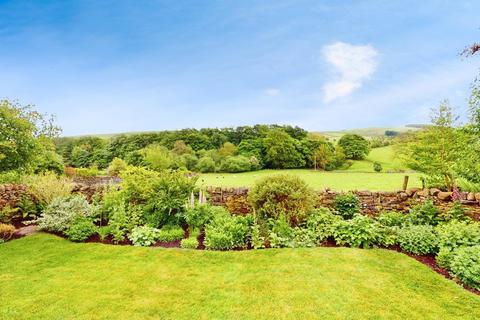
(144, 236)
(206, 164)
(360, 231)
(354, 146)
(7, 214)
(81, 229)
(226, 232)
(457, 234)
(444, 257)
(12, 176)
(465, 265)
(189, 243)
(456, 212)
(387, 236)
(322, 223)
(391, 219)
(257, 240)
(304, 238)
(170, 233)
(285, 195)
(418, 239)
(236, 164)
(59, 215)
(425, 213)
(162, 195)
(6, 231)
(377, 167)
(116, 167)
(346, 205)
(201, 214)
(281, 234)
(27, 207)
(87, 172)
(47, 187)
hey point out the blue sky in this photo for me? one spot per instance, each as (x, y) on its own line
(114, 66)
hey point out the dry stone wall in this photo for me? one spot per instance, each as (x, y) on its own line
(371, 203)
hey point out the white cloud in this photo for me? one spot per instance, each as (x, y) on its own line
(353, 64)
(272, 92)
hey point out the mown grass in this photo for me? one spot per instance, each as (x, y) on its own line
(360, 176)
(336, 180)
(46, 277)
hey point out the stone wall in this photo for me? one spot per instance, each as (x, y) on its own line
(371, 202)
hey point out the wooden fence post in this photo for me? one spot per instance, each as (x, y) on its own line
(405, 182)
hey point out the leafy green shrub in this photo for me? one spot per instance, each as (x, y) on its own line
(205, 164)
(7, 214)
(27, 208)
(60, 214)
(322, 223)
(281, 234)
(189, 243)
(162, 196)
(387, 236)
(456, 212)
(304, 238)
(201, 214)
(457, 234)
(170, 233)
(418, 239)
(116, 167)
(346, 205)
(6, 231)
(377, 167)
(11, 177)
(47, 187)
(444, 257)
(257, 240)
(81, 229)
(425, 213)
(236, 164)
(465, 265)
(104, 232)
(226, 232)
(359, 232)
(144, 236)
(392, 219)
(285, 195)
(122, 217)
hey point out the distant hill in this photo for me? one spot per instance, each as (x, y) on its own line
(333, 135)
(373, 132)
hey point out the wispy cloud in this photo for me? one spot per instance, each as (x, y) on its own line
(352, 64)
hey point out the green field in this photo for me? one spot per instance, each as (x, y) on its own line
(46, 277)
(360, 176)
(337, 180)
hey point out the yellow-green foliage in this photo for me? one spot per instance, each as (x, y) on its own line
(48, 186)
(6, 231)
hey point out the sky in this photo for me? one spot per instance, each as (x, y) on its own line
(122, 66)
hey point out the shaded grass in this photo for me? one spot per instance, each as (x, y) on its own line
(45, 277)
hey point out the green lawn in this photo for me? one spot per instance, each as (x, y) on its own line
(336, 180)
(46, 277)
